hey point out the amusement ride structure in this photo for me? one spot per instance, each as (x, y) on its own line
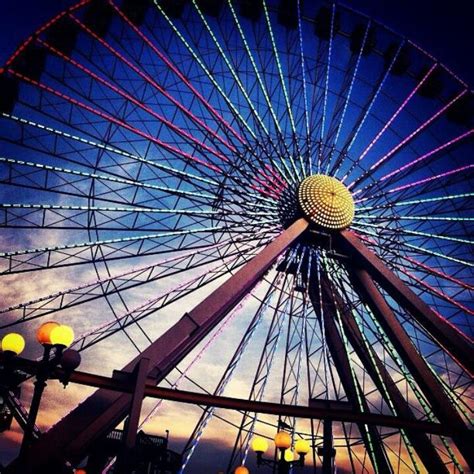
(279, 190)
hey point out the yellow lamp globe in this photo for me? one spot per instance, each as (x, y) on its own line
(241, 470)
(43, 334)
(302, 446)
(14, 343)
(259, 444)
(289, 456)
(62, 336)
(282, 440)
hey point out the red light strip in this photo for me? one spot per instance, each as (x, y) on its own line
(116, 121)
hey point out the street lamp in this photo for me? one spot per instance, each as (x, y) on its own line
(13, 344)
(282, 440)
(289, 455)
(43, 334)
(302, 447)
(241, 470)
(286, 457)
(53, 337)
(61, 337)
(259, 445)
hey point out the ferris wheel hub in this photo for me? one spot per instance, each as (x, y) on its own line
(326, 202)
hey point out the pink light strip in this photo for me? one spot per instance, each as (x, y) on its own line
(427, 155)
(394, 116)
(263, 191)
(116, 121)
(277, 186)
(419, 48)
(152, 82)
(276, 175)
(178, 73)
(132, 99)
(423, 265)
(201, 353)
(431, 178)
(129, 273)
(147, 304)
(268, 185)
(437, 313)
(439, 273)
(417, 131)
(438, 292)
(49, 23)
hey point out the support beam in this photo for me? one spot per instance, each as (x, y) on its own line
(130, 431)
(314, 411)
(369, 433)
(428, 454)
(70, 438)
(126, 458)
(448, 336)
(328, 448)
(434, 393)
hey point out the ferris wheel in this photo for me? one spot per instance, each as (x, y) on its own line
(272, 198)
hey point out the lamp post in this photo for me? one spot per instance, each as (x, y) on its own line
(12, 345)
(286, 455)
(53, 337)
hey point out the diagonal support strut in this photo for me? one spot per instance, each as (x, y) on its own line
(71, 437)
(381, 376)
(447, 335)
(369, 433)
(440, 402)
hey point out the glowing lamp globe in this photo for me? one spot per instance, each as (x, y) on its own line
(13, 343)
(62, 336)
(302, 447)
(282, 440)
(241, 470)
(43, 334)
(326, 202)
(259, 445)
(80, 471)
(289, 456)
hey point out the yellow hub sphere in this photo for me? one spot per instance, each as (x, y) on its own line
(326, 202)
